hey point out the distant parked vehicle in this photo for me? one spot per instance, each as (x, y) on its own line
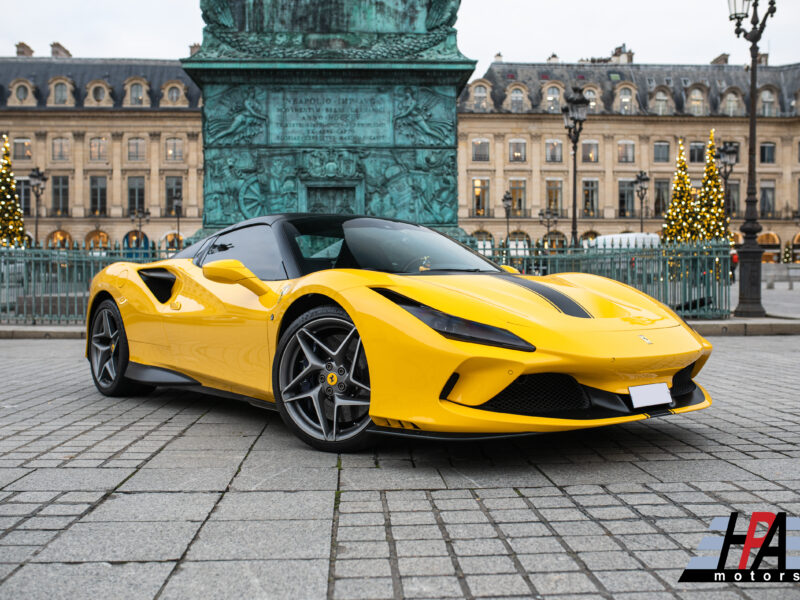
(625, 240)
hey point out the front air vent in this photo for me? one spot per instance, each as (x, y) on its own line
(159, 281)
(539, 395)
(682, 383)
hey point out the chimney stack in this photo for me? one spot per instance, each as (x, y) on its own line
(194, 49)
(763, 59)
(24, 50)
(722, 59)
(58, 51)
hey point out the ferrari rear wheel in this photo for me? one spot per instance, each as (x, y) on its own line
(321, 381)
(108, 353)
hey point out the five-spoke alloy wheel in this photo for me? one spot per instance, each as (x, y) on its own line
(108, 353)
(321, 380)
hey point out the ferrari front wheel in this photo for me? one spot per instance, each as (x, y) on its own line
(321, 380)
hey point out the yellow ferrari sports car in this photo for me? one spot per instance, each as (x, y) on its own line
(352, 326)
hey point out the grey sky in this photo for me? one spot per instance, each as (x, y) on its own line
(678, 31)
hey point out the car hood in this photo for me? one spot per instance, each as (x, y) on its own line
(566, 302)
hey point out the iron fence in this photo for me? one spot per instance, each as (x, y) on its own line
(51, 286)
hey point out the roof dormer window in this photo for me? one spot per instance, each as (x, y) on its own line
(591, 96)
(137, 94)
(479, 97)
(553, 99)
(626, 101)
(22, 92)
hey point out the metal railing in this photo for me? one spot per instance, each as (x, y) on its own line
(52, 286)
(694, 280)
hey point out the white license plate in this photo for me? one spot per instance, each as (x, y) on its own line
(652, 394)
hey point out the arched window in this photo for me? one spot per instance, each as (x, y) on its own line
(98, 93)
(173, 241)
(97, 239)
(768, 108)
(626, 101)
(591, 96)
(589, 235)
(174, 93)
(517, 100)
(59, 239)
(661, 103)
(137, 94)
(135, 239)
(731, 105)
(519, 244)
(22, 92)
(479, 97)
(485, 242)
(697, 103)
(60, 93)
(553, 99)
(555, 239)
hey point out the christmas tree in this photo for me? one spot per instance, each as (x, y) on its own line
(711, 222)
(680, 218)
(12, 230)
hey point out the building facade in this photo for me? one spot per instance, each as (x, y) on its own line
(117, 139)
(120, 137)
(512, 139)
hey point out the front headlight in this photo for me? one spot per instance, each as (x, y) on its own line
(456, 328)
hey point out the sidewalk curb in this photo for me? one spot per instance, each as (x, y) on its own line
(34, 332)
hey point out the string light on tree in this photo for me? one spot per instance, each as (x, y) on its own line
(679, 223)
(12, 228)
(711, 222)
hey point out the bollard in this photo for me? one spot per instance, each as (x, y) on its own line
(771, 281)
(789, 277)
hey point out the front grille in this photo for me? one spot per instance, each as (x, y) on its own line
(539, 395)
(682, 383)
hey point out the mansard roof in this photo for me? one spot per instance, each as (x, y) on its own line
(678, 79)
(81, 71)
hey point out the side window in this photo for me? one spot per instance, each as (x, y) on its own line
(254, 246)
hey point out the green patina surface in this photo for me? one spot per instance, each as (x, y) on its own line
(345, 106)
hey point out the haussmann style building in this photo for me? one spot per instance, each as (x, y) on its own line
(121, 138)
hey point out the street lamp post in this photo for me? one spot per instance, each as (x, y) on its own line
(574, 115)
(548, 219)
(37, 180)
(507, 207)
(177, 205)
(642, 181)
(726, 157)
(140, 215)
(750, 252)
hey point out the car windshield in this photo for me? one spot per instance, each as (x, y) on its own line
(378, 245)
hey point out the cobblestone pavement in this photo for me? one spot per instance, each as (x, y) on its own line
(179, 495)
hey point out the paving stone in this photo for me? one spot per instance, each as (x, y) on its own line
(154, 507)
(179, 480)
(261, 540)
(364, 567)
(498, 585)
(264, 506)
(695, 470)
(214, 459)
(357, 589)
(428, 565)
(572, 474)
(563, 583)
(390, 479)
(628, 581)
(70, 480)
(289, 478)
(131, 581)
(235, 580)
(431, 587)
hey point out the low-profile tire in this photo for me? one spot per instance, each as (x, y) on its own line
(321, 381)
(108, 353)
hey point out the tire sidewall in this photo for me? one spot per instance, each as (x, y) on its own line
(118, 384)
(355, 443)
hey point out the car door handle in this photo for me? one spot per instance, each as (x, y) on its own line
(175, 305)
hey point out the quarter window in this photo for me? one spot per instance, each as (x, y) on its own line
(255, 247)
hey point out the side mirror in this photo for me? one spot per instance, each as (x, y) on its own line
(509, 269)
(233, 271)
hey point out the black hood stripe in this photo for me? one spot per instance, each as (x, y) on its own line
(561, 302)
